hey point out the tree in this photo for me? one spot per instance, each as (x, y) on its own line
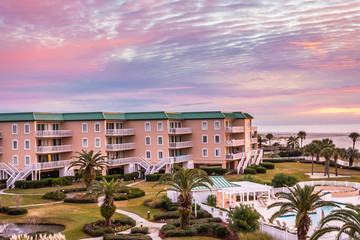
(311, 150)
(293, 142)
(349, 216)
(352, 154)
(244, 218)
(300, 201)
(354, 137)
(318, 149)
(327, 142)
(108, 190)
(183, 181)
(88, 163)
(327, 153)
(269, 137)
(260, 141)
(338, 152)
(302, 136)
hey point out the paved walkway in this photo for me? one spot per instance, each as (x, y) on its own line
(5, 193)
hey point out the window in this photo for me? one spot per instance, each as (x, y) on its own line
(217, 138)
(15, 160)
(147, 154)
(26, 128)
(204, 125)
(97, 127)
(159, 126)
(217, 152)
(14, 145)
(160, 155)
(217, 125)
(147, 141)
(204, 152)
(160, 140)
(14, 129)
(84, 142)
(27, 144)
(97, 142)
(84, 128)
(147, 127)
(204, 139)
(27, 160)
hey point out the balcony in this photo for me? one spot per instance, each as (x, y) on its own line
(54, 133)
(1, 151)
(234, 156)
(180, 130)
(234, 129)
(186, 144)
(253, 128)
(120, 132)
(254, 140)
(122, 161)
(54, 149)
(55, 164)
(179, 158)
(120, 147)
(233, 142)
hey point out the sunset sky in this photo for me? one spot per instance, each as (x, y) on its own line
(285, 62)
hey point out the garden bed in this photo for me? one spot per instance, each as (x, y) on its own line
(99, 228)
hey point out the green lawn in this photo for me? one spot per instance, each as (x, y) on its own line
(149, 187)
(42, 190)
(7, 200)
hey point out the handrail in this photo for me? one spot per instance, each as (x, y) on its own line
(123, 146)
(54, 133)
(58, 148)
(180, 144)
(129, 131)
(180, 130)
(234, 129)
(234, 142)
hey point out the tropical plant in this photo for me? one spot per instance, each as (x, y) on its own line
(269, 137)
(244, 218)
(260, 141)
(338, 152)
(349, 216)
(211, 200)
(327, 153)
(183, 181)
(302, 136)
(108, 190)
(284, 180)
(327, 142)
(300, 201)
(354, 137)
(311, 150)
(352, 154)
(293, 142)
(318, 149)
(88, 163)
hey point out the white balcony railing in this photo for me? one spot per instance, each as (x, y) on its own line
(121, 161)
(55, 164)
(233, 142)
(54, 133)
(253, 128)
(120, 132)
(182, 158)
(180, 130)
(254, 140)
(234, 156)
(51, 149)
(123, 146)
(234, 129)
(186, 144)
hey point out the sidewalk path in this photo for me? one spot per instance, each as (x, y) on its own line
(5, 193)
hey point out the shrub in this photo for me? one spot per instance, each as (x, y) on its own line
(46, 182)
(55, 195)
(130, 176)
(250, 170)
(126, 237)
(260, 170)
(219, 230)
(153, 203)
(255, 236)
(80, 200)
(96, 231)
(175, 233)
(17, 211)
(268, 165)
(190, 231)
(167, 215)
(295, 153)
(283, 180)
(153, 177)
(202, 214)
(197, 207)
(142, 230)
(211, 200)
(130, 194)
(202, 228)
(4, 209)
(71, 190)
(244, 219)
(168, 227)
(215, 171)
(168, 205)
(109, 177)
(125, 221)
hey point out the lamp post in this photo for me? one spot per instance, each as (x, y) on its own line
(148, 214)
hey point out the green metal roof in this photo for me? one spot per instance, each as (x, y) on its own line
(146, 116)
(84, 116)
(248, 115)
(219, 182)
(202, 115)
(10, 117)
(48, 116)
(115, 116)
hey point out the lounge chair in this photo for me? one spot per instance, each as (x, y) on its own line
(279, 224)
(288, 228)
(263, 201)
(262, 219)
(272, 195)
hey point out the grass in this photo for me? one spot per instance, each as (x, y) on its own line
(7, 200)
(192, 238)
(149, 187)
(255, 236)
(43, 190)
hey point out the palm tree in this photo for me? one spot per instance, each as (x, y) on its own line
(269, 137)
(311, 150)
(183, 181)
(302, 136)
(88, 163)
(354, 137)
(327, 153)
(352, 154)
(318, 149)
(293, 142)
(349, 216)
(327, 142)
(108, 190)
(260, 141)
(300, 201)
(338, 152)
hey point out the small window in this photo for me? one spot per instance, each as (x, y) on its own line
(15, 160)
(26, 128)
(97, 127)
(27, 160)
(217, 138)
(14, 129)
(159, 126)
(147, 127)
(204, 125)
(204, 152)
(15, 145)
(148, 154)
(204, 139)
(27, 144)
(97, 142)
(84, 127)
(160, 155)
(147, 141)
(217, 152)
(84, 142)
(217, 125)
(160, 140)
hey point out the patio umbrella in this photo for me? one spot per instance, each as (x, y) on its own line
(322, 214)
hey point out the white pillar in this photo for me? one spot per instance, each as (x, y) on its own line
(248, 198)
(223, 200)
(269, 195)
(230, 200)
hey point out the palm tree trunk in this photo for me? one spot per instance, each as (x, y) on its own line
(328, 167)
(185, 203)
(354, 144)
(312, 165)
(336, 172)
(317, 158)
(325, 167)
(351, 160)
(303, 228)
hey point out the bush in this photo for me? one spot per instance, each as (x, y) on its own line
(250, 170)
(153, 177)
(130, 194)
(17, 211)
(168, 227)
(96, 231)
(167, 215)
(130, 176)
(295, 153)
(136, 236)
(244, 219)
(125, 221)
(202, 228)
(219, 230)
(71, 190)
(4, 209)
(56, 195)
(190, 231)
(197, 207)
(260, 170)
(80, 200)
(268, 165)
(211, 200)
(168, 205)
(283, 180)
(153, 203)
(109, 177)
(215, 171)
(46, 182)
(202, 214)
(142, 230)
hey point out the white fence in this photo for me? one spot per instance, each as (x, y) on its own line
(276, 232)
(215, 212)
(321, 159)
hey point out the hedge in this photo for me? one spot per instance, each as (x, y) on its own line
(80, 200)
(142, 230)
(55, 195)
(295, 153)
(175, 215)
(136, 236)
(215, 171)
(71, 190)
(168, 205)
(130, 194)
(46, 182)
(153, 177)
(95, 230)
(250, 170)
(126, 177)
(17, 211)
(4, 209)
(260, 170)
(268, 165)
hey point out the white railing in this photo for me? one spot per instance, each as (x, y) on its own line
(121, 161)
(159, 165)
(253, 128)
(180, 144)
(240, 168)
(54, 133)
(119, 132)
(180, 130)
(254, 140)
(234, 156)
(215, 212)
(55, 164)
(277, 233)
(260, 157)
(1, 149)
(49, 149)
(253, 160)
(123, 146)
(6, 168)
(233, 142)
(20, 175)
(234, 129)
(179, 158)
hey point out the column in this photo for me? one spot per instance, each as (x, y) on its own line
(223, 200)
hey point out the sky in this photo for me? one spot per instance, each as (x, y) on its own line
(287, 62)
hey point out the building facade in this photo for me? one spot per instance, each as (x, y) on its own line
(32, 144)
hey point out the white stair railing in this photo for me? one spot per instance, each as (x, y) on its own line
(241, 163)
(8, 169)
(259, 159)
(20, 175)
(253, 160)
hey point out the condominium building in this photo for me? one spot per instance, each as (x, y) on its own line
(33, 144)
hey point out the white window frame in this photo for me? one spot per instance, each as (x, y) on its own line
(146, 152)
(202, 152)
(202, 139)
(162, 126)
(27, 156)
(27, 140)
(82, 128)
(216, 122)
(217, 135)
(148, 137)
(17, 160)
(206, 125)
(97, 146)
(147, 129)
(17, 144)
(26, 125)
(87, 142)
(219, 152)
(162, 152)
(162, 140)
(16, 127)
(97, 124)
